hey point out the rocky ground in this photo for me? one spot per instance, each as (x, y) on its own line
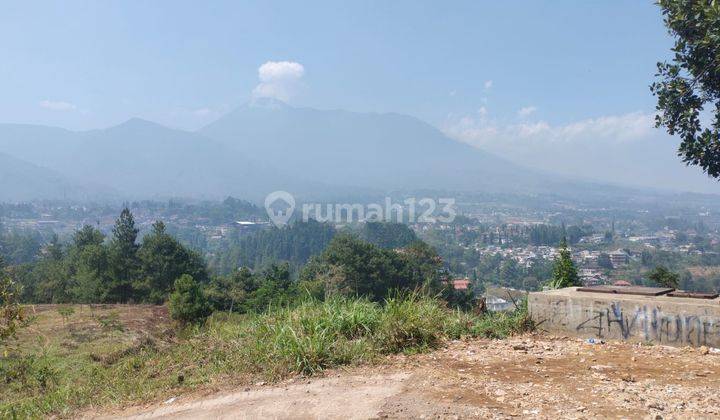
(527, 376)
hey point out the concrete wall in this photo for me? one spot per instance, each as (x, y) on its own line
(652, 319)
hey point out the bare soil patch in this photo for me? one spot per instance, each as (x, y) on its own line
(529, 376)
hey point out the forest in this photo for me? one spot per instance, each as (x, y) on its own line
(271, 266)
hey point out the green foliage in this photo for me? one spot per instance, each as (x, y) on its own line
(387, 235)
(244, 291)
(11, 313)
(352, 267)
(31, 372)
(664, 277)
(313, 335)
(162, 260)
(66, 312)
(294, 244)
(187, 303)
(564, 271)
(110, 322)
(691, 82)
(124, 261)
(89, 270)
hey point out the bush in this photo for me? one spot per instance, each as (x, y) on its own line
(411, 323)
(187, 302)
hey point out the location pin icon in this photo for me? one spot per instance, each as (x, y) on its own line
(280, 217)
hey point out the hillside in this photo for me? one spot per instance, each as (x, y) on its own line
(142, 159)
(20, 180)
(267, 145)
(386, 151)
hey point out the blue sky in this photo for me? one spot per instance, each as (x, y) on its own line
(557, 85)
(92, 64)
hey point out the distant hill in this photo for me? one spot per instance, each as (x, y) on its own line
(142, 159)
(386, 151)
(20, 181)
(264, 146)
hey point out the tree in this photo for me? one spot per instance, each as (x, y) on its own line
(352, 267)
(187, 303)
(86, 236)
(51, 276)
(510, 273)
(88, 262)
(564, 271)
(228, 293)
(124, 263)
(664, 277)
(387, 235)
(691, 81)
(422, 267)
(162, 260)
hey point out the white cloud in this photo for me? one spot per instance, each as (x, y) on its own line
(488, 84)
(279, 79)
(614, 128)
(57, 105)
(526, 111)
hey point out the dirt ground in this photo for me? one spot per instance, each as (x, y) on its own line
(527, 376)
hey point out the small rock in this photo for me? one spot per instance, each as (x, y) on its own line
(520, 347)
(656, 406)
(627, 377)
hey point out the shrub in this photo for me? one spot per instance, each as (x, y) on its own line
(187, 302)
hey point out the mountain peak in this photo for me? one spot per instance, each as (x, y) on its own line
(136, 122)
(267, 103)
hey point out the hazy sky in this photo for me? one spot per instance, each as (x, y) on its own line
(500, 75)
(91, 64)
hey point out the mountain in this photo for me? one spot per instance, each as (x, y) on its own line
(385, 151)
(21, 181)
(261, 147)
(141, 159)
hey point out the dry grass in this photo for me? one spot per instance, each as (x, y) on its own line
(84, 358)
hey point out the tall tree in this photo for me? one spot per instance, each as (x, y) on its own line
(163, 259)
(89, 265)
(564, 271)
(691, 82)
(124, 262)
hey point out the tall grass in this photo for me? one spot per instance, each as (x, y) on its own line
(232, 348)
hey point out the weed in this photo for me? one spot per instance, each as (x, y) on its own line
(110, 322)
(286, 340)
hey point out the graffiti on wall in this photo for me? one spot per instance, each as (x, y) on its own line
(651, 324)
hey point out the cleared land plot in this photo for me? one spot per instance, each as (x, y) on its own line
(527, 376)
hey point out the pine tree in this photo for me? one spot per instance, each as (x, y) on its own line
(564, 271)
(124, 262)
(187, 302)
(162, 260)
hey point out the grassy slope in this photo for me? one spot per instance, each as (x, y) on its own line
(113, 355)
